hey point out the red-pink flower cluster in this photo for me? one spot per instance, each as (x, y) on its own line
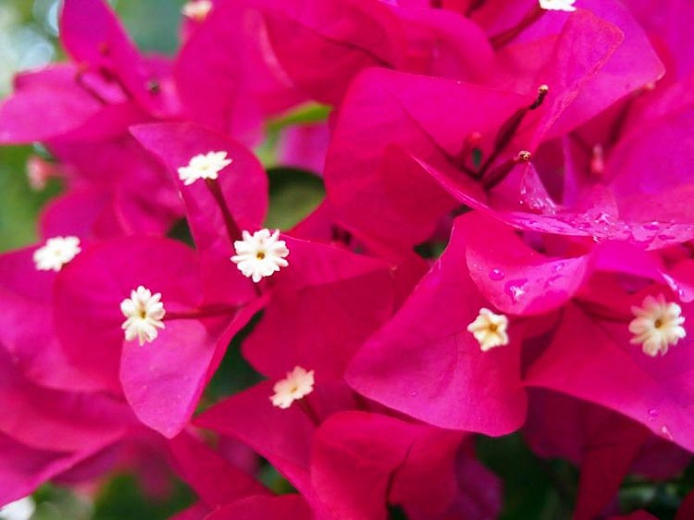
(544, 147)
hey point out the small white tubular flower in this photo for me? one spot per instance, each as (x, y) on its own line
(657, 325)
(261, 254)
(205, 166)
(144, 312)
(297, 384)
(489, 329)
(197, 9)
(558, 5)
(57, 252)
(22, 509)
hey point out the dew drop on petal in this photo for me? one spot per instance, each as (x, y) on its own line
(515, 290)
(496, 275)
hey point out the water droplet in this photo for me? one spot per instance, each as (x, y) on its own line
(665, 432)
(496, 275)
(652, 226)
(652, 414)
(515, 289)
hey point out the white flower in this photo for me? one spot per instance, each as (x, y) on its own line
(297, 384)
(658, 324)
(144, 313)
(205, 166)
(260, 254)
(489, 329)
(197, 10)
(558, 5)
(57, 252)
(21, 509)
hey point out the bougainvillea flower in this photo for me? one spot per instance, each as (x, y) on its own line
(654, 391)
(162, 380)
(108, 71)
(83, 121)
(322, 226)
(429, 336)
(217, 210)
(395, 112)
(94, 38)
(372, 181)
(232, 92)
(619, 74)
(511, 275)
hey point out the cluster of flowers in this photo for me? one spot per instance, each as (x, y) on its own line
(545, 148)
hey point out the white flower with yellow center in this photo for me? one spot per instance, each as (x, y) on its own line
(298, 384)
(57, 252)
(203, 166)
(260, 254)
(197, 9)
(144, 312)
(489, 329)
(657, 325)
(558, 5)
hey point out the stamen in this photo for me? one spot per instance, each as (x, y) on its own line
(57, 252)
(297, 385)
(204, 166)
(542, 92)
(498, 174)
(144, 314)
(489, 329)
(510, 127)
(657, 325)
(261, 254)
